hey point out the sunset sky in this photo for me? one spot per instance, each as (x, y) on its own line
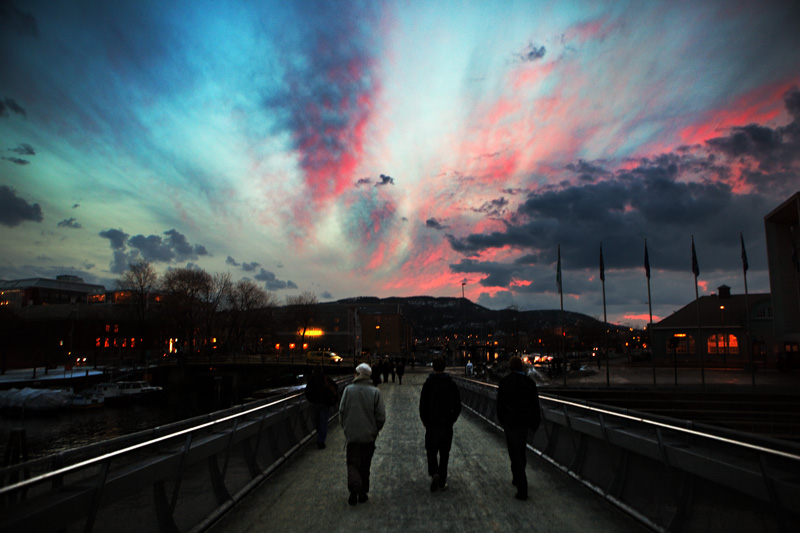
(402, 148)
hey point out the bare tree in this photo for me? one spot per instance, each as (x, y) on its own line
(141, 282)
(248, 305)
(185, 291)
(215, 296)
(302, 309)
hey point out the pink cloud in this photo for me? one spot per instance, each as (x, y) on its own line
(759, 106)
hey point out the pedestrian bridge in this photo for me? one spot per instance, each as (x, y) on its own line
(256, 468)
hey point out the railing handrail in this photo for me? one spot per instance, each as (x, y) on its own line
(646, 421)
(100, 458)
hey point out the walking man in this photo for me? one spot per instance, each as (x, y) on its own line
(439, 407)
(518, 411)
(322, 392)
(362, 415)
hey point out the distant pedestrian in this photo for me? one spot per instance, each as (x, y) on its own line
(376, 372)
(469, 368)
(518, 411)
(386, 367)
(362, 415)
(323, 393)
(393, 368)
(401, 369)
(439, 407)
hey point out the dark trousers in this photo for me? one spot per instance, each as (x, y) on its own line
(359, 459)
(437, 447)
(517, 443)
(321, 415)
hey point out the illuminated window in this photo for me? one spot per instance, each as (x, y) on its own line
(116, 328)
(97, 342)
(718, 344)
(108, 328)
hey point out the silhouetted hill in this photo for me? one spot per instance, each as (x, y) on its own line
(434, 316)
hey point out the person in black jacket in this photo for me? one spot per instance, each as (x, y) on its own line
(323, 394)
(518, 411)
(439, 407)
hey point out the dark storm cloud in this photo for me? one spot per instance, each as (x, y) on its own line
(70, 223)
(117, 238)
(121, 261)
(23, 149)
(17, 160)
(495, 208)
(247, 267)
(11, 105)
(773, 152)
(434, 224)
(385, 180)
(498, 274)
(151, 248)
(15, 210)
(174, 247)
(587, 171)
(272, 283)
(649, 200)
(531, 53)
(15, 19)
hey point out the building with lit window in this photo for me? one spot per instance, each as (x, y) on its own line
(732, 328)
(19, 293)
(721, 327)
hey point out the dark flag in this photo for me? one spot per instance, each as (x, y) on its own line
(602, 266)
(695, 266)
(745, 264)
(558, 272)
(646, 261)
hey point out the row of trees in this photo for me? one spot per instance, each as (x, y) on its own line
(200, 307)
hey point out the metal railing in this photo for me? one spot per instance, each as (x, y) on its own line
(669, 474)
(179, 477)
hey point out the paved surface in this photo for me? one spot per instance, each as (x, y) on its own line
(310, 492)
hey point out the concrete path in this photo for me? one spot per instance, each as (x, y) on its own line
(310, 493)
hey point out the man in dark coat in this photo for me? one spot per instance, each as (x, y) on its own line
(518, 411)
(323, 394)
(439, 407)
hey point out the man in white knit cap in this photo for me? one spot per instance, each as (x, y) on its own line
(362, 415)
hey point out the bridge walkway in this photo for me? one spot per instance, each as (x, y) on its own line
(309, 493)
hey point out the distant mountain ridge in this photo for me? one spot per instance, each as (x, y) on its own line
(433, 316)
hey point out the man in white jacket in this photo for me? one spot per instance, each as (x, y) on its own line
(362, 415)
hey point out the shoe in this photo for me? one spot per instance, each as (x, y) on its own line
(321, 445)
(362, 498)
(435, 483)
(444, 487)
(353, 499)
(521, 497)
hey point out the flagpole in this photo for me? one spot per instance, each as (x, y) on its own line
(697, 343)
(650, 308)
(605, 317)
(745, 266)
(561, 317)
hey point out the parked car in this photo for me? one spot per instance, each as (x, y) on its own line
(319, 356)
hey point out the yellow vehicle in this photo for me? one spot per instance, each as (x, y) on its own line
(318, 356)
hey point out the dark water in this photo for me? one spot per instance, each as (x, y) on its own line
(46, 435)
